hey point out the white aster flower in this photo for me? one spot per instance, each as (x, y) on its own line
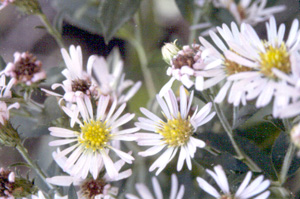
(90, 188)
(175, 134)
(145, 193)
(247, 11)
(219, 67)
(256, 189)
(78, 82)
(111, 79)
(25, 69)
(91, 144)
(266, 58)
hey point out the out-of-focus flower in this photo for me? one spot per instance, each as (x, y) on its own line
(174, 134)
(245, 191)
(295, 135)
(91, 144)
(145, 193)
(91, 188)
(81, 83)
(250, 12)
(268, 59)
(25, 69)
(4, 3)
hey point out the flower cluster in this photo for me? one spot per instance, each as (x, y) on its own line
(253, 68)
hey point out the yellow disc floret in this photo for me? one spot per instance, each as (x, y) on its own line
(232, 67)
(94, 135)
(275, 57)
(176, 131)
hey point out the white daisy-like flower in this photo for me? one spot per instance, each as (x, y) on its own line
(90, 188)
(111, 80)
(256, 189)
(80, 82)
(266, 58)
(247, 11)
(145, 193)
(175, 134)
(6, 93)
(90, 145)
(25, 69)
(219, 67)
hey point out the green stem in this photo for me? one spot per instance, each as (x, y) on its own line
(288, 156)
(240, 154)
(52, 31)
(287, 162)
(23, 151)
(138, 44)
(196, 19)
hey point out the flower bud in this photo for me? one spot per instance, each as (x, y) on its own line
(169, 50)
(29, 7)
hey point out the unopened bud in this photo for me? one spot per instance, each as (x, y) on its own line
(169, 50)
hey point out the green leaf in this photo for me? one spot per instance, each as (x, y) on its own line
(72, 192)
(2, 63)
(114, 13)
(20, 164)
(279, 150)
(244, 114)
(104, 17)
(186, 8)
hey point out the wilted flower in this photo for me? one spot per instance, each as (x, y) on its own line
(145, 193)
(25, 69)
(91, 144)
(174, 134)
(245, 190)
(186, 66)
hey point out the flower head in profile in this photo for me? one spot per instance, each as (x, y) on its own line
(90, 144)
(256, 188)
(25, 69)
(175, 132)
(91, 188)
(145, 193)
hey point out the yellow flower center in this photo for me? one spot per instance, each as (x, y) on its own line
(177, 131)
(277, 57)
(94, 135)
(225, 197)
